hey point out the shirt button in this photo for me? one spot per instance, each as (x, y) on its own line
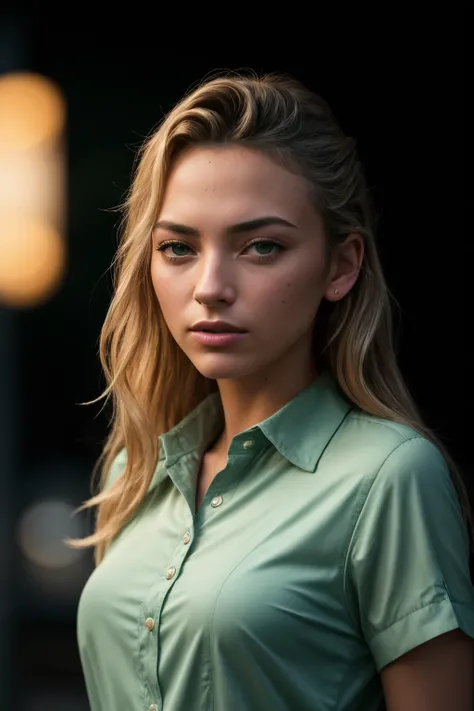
(153, 707)
(149, 623)
(186, 537)
(216, 501)
(248, 443)
(170, 572)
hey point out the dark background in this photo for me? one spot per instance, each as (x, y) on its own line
(394, 81)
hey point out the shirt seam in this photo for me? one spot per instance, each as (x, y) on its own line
(211, 631)
(362, 415)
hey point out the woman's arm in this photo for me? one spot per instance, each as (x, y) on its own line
(435, 676)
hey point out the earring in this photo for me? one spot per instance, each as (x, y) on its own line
(336, 291)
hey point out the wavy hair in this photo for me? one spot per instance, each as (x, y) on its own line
(353, 337)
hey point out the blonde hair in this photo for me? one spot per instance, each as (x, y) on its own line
(352, 338)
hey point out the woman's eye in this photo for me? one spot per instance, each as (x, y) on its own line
(266, 244)
(174, 245)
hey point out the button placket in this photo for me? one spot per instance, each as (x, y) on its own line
(151, 611)
(218, 500)
(148, 646)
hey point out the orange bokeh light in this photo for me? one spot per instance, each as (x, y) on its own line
(32, 256)
(32, 110)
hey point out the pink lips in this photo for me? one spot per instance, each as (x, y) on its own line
(218, 339)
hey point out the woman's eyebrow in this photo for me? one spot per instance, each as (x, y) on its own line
(247, 226)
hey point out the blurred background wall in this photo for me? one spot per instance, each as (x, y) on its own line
(77, 98)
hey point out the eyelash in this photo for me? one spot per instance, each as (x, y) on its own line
(259, 257)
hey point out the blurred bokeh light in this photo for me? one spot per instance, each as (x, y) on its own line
(41, 530)
(32, 258)
(32, 189)
(32, 110)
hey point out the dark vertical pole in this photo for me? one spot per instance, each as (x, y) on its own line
(8, 471)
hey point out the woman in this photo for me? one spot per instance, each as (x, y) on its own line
(277, 529)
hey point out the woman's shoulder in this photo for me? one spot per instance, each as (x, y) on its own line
(382, 426)
(378, 438)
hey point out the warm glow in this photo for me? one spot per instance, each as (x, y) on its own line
(32, 189)
(32, 110)
(32, 182)
(32, 257)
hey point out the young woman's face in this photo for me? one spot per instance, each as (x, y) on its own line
(248, 249)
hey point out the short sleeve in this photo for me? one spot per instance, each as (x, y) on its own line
(407, 575)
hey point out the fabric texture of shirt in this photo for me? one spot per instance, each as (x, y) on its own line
(332, 543)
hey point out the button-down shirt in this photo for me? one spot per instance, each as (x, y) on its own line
(331, 543)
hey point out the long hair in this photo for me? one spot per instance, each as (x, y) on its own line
(151, 383)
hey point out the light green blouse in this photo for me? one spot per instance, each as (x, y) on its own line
(331, 544)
